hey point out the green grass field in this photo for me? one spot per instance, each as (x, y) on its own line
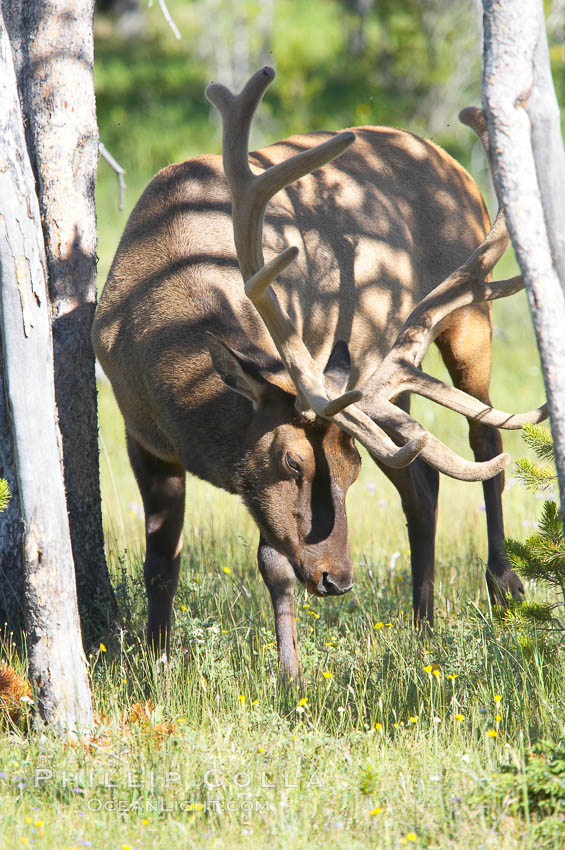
(454, 742)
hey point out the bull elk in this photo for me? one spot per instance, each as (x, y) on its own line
(264, 394)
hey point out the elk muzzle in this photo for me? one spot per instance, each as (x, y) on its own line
(329, 580)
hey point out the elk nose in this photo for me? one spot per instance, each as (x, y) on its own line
(328, 587)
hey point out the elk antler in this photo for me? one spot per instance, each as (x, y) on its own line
(250, 194)
(399, 371)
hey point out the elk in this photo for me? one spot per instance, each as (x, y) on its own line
(380, 244)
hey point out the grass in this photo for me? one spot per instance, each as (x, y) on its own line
(390, 742)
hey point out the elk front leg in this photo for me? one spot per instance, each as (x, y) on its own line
(418, 487)
(279, 577)
(162, 488)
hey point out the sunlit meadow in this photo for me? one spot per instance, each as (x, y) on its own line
(455, 741)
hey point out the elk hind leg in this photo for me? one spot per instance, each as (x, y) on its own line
(162, 488)
(465, 349)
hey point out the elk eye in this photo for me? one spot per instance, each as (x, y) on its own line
(293, 465)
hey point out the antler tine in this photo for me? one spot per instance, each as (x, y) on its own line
(468, 405)
(474, 118)
(237, 111)
(250, 194)
(436, 454)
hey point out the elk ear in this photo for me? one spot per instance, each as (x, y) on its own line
(338, 367)
(235, 371)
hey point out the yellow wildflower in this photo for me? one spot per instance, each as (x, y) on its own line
(376, 811)
(103, 648)
(379, 727)
(459, 717)
(379, 625)
(327, 675)
(227, 570)
(497, 698)
(452, 676)
(492, 733)
(428, 668)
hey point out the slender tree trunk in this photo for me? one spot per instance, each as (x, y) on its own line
(52, 41)
(56, 659)
(525, 139)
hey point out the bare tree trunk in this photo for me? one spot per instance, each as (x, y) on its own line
(11, 569)
(56, 659)
(52, 42)
(525, 139)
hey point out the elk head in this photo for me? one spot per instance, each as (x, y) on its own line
(295, 471)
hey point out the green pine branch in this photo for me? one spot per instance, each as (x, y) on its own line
(542, 555)
(539, 439)
(534, 476)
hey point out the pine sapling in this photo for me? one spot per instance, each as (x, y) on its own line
(542, 555)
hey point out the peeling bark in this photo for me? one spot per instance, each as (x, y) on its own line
(56, 659)
(52, 43)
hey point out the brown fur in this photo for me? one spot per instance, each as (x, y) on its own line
(376, 229)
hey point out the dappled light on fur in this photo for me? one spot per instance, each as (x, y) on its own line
(224, 377)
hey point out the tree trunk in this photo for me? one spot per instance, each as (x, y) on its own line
(525, 140)
(56, 659)
(52, 42)
(11, 569)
